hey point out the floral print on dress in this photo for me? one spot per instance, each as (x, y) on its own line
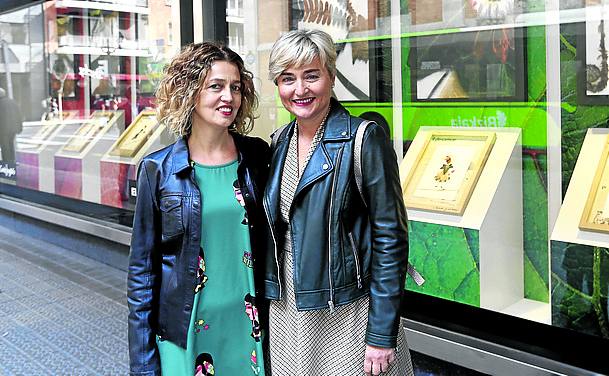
(247, 259)
(201, 277)
(254, 365)
(252, 312)
(240, 200)
(204, 365)
(200, 324)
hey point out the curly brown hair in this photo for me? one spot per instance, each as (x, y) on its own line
(179, 89)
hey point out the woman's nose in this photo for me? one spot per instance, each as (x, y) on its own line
(227, 95)
(301, 87)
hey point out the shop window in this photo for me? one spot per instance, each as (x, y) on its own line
(82, 78)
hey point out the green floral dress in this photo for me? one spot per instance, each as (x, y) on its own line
(224, 335)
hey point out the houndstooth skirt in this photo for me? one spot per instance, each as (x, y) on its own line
(322, 342)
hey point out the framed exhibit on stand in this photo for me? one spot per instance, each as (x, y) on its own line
(595, 216)
(136, 135)
(87, 132)
(446, 170)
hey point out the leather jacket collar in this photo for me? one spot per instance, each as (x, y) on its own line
(180, 156)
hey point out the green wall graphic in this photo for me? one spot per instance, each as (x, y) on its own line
(580, 288)
(448, 258)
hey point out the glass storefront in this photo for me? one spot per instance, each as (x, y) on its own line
(498, 110)
(80, 78)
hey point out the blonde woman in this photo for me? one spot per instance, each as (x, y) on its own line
(337, 265)
(193, 307)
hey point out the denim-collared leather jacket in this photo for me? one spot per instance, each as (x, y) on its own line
(166, 239)
(343, 248)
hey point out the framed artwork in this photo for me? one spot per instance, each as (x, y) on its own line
(593, 80)
(447, 170)
(363, 67)
(487, 65)
(425, 11)
(134, 137)
(87, 131)
(595, 216)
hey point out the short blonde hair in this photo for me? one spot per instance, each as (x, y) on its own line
(181, 85)
(300, 47)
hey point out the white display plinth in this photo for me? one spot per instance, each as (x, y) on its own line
(89, 157)
(117, 170)
(567, 228)
(46, 153)
(494, 209)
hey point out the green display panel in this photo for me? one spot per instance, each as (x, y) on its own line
(580, 288)
(449, 260)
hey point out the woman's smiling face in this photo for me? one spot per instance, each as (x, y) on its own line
(305, 91)
(220, 96)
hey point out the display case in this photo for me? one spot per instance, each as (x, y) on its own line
(118, 166)
(36, 146)
(77, 167)
(470, 207)
(580, 243)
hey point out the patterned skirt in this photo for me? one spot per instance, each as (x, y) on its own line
(322, 342)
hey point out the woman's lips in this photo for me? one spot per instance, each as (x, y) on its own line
(303, 102)
(226, 111)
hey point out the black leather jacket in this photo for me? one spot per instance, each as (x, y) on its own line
(342, 249)
(165, 244)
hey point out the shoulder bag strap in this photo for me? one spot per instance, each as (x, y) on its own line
(275, 135)
(357, 166)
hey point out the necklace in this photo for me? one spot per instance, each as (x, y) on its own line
(323, 121)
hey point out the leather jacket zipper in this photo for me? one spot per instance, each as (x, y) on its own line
(336, 171)
(359, 277)
(268, 219)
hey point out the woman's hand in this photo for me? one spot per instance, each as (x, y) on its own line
(377, 360)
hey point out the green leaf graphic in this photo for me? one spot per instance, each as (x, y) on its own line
(447, 259)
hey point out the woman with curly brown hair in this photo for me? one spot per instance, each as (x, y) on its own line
(195, 233)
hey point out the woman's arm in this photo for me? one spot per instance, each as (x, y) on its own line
(143, 353)
(383, 195)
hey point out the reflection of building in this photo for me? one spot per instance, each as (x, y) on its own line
(107, 54)
(235, 20)
(22, 58)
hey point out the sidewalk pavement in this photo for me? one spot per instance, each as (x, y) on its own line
(62, 313)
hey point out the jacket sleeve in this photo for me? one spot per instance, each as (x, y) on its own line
(389, 237)
(142, 293)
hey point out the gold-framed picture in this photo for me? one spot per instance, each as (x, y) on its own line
(136, 135)
(87, 131)
(595, 216)
(447, 169)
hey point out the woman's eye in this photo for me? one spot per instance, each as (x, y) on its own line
(214, 86)
(311, 77)
(236, 88)
(287, 80)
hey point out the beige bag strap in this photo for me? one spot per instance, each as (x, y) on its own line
(275, 135)
(357, 167)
